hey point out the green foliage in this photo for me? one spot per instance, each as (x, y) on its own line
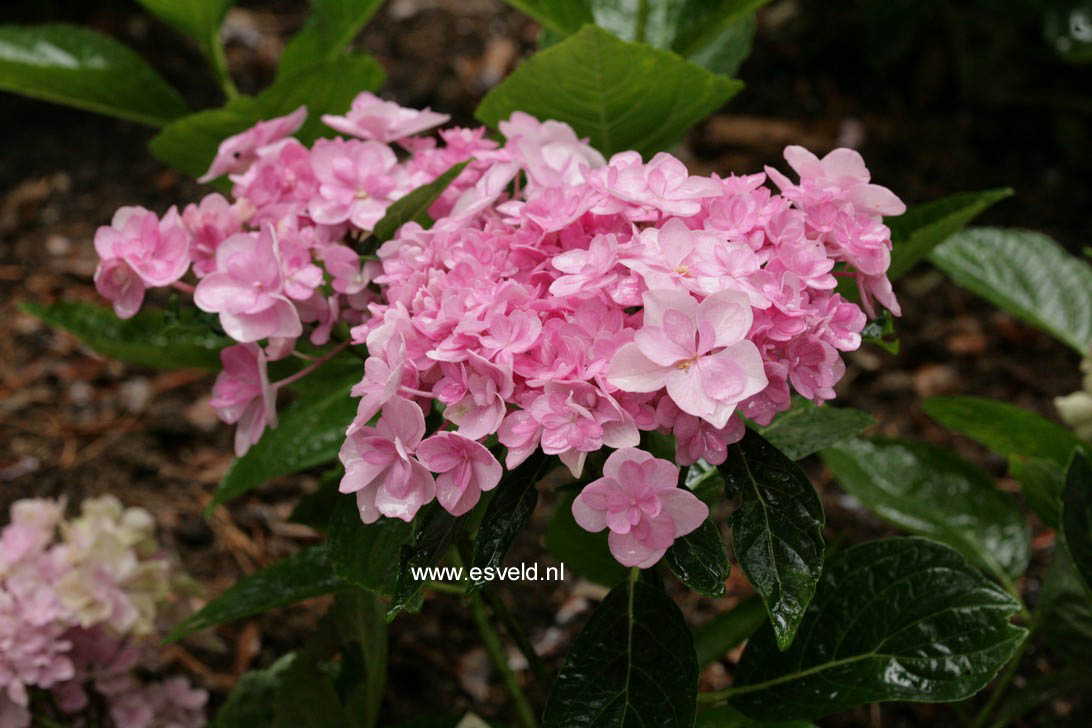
(414, 206)
(725, 716)
(1077, 515)
(190, 143)
(366, 555)
(1027, 274)
(898, 619)
(621, 95)
(728, 629)
(1067, 609)
(309, 432)
(805, 429)
(199, 19)
(699, 560)
(303, 575)
(436, 532)
(330, 27)
(147, 339)
(250, 702)
(78, 67)
(582, 551)
(777, 531)
(921, 228)
(932, 492)
(1041, 483)
(633, 664)
(561, 17)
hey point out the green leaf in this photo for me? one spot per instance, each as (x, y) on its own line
(727, 51)
(582, 551)
(725, 716)
(1004, 428)
(78, 67)
(317, 508)
(621, 95)
(1077, 515)
(190, 143)
(1027, 274)
(1067, 609)
(414, 206)
(726, 630)
(437, 531)
(199, 19)
(805, 429)
(359, 618)
(307, 697)
(561, 17)
(330, 26)
(898, 619)
(250, 702)
(303, 575)
(777, 531)
(147, 339)
(507, 514)
(880, 332)
(683, 26)
(366, 555)
(921, 228)
(309, 432)
(933, 492)
(705, 480)
(633, 664)
(699, 560)
(1041, 482)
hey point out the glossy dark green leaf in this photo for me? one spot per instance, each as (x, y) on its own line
(1066, 605)
(933, 492)
(366, 555)
(700, 560)
(414, 206)
(898, 619)
(726, 630)
(632, 665)
(360, 620)
(190, 143)
(705, 480)
(562, 17)
(437, 532)
(582, 551)
(250, 702)
(303, 575)
(725, 716)
(507, 514)
(309, 432)
(777, 531)
(331, 25)
(1004, 428)
(146, 339)
(199, 19)
(1041, 483)
(921, 228)
(805, 429)
(1077, 515)
(78, 67)
(1027, 274)
(621, 95)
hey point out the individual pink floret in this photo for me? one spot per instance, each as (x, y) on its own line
(370, 117)
(550, 151)
(357, 181)
(242, 395)
(465, 467)
(639, 501)
(236, 153)
(209, 224)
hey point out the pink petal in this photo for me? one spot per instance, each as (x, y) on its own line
(686, 510)
(631, 371)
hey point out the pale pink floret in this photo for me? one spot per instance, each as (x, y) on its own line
(370, 117)
(475, 393)
(383, 373)
(209, 223)
(357, 181)
(380, 466)
(840, 173)
(156, 250)
(247, 289)
(236, 153)
(664, 185)
(118, 283)
(698, 352)
(639, 501)
(549, 151)
(465, 467)
(243, 396)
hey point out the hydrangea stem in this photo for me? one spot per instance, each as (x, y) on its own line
(495, 648)
(312, 366)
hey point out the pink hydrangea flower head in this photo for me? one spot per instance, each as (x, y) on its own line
(639, 501)
(357, 181)
(465, 467)
(698, 352)
(238, 152)
(243, 396)
(380, 466)
(370, 117)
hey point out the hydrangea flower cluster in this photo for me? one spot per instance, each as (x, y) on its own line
(560, 302)
(78, 600)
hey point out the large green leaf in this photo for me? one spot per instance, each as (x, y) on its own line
(725, 52)
(777, 531)
(1027, 274)
(582, 551)
(437, 532)
(199, 19)
(1077, 515)
(148, 339)
(507, 514)
(561, 17)
(190, 143)
(250, 702)
(1041, 483)
(633, 665)
(366, 554)
(933, 492)
(1004, 428)
(330, 26)
(303, 575)
(1067, 609)
(621, 95)
(309, 432)
(805, 429)
(699, 560)
(921, 228)
(728, 629)
(899, 619)
(414, 206)
(78, 67)
(685, 26)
